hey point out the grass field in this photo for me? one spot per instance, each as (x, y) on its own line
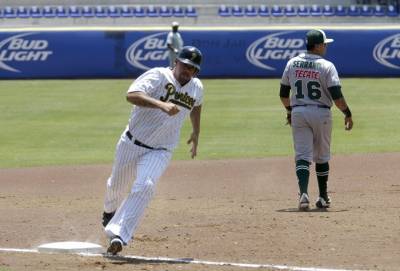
(64, 122)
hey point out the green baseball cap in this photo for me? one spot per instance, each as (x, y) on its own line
(317, 36)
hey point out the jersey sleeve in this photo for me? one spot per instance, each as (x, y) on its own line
(332, 77)
(147, 82)
(285, 76)
(199, 100)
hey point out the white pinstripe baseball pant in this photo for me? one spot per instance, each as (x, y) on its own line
(148, 165)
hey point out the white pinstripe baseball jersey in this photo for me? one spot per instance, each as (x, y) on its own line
(154, 127)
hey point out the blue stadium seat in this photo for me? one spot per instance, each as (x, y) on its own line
(316, 10)
(327, 10)
(61, 12)
(224, 11)
(152, 11)
(100, 12)
(126, 11)
(116, 12)
(139, 11)
(303, 11)
(392, 11)
(22, 12)
(354, 10)
(263, 11)
(289, 11)
(74, 11)
(165, 11)
(367, 11)
(87, 12)
(340, 10)
(9, 12)
(276, 11)
(237, 11)
(49, 12)
(250, 11)
(35, 12)
(178, 11)
(190, 11)
(378, 11)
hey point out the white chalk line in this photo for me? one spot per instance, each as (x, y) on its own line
(186, 261)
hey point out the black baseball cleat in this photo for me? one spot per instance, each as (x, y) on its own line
(115, 245)
(107, 217)
(323, 202)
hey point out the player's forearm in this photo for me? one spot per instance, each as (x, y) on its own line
(341, 103)
(195, 117)
(141, 99)
(285, 101)
(284, 94)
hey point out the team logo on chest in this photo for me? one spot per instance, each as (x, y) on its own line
(179, 98)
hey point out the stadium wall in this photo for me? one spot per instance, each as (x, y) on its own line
(228, 53)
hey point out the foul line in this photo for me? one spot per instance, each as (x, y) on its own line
(184, 261)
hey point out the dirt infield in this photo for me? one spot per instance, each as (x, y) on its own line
(229, 211)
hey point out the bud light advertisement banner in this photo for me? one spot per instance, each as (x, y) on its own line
(226, 54)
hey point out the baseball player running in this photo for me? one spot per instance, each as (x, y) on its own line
(163, 98)
(315, 85)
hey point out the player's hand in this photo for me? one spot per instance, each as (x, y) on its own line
(289, 118)
(170, 108)
(348, 123)
(194, 140)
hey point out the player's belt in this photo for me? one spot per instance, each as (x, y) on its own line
(137, 142)
(317, 105)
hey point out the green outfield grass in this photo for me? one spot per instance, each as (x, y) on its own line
(63, 122)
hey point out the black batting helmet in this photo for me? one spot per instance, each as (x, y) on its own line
(190, 55)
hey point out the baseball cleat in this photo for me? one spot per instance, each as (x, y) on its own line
(304, 202)
(115, 245)
(107, 217)
(323, 202)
